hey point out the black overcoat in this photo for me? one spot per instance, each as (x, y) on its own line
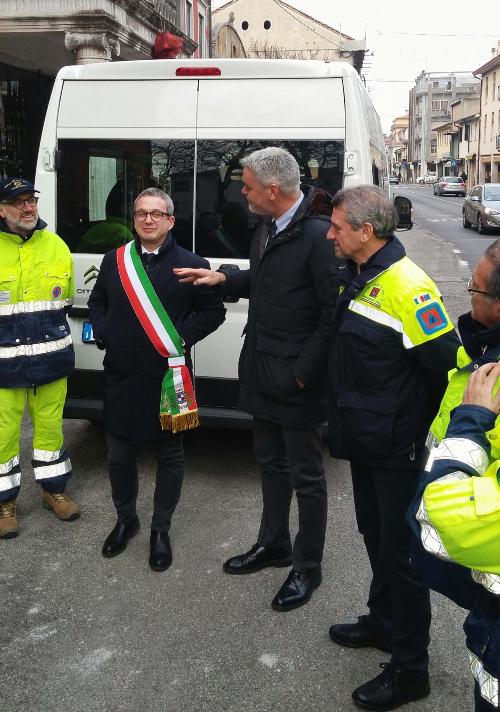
(291, 288)
(133, 368)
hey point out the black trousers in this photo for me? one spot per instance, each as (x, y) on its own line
(397, 601)
(291, 459)
(169, 454)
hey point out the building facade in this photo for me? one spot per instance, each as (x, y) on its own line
(38, 37)
(465, 118)
(273, 29)
(397, 148)
(430, 107)
(488, 168)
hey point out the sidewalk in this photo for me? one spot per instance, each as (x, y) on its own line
(436, 257)
(80, 633)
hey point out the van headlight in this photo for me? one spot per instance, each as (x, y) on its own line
(491, 211)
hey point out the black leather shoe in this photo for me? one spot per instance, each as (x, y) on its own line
(259, 557)
(297, 589)
(116, 542)
(392, 688)
(160, 556)
(363, 634)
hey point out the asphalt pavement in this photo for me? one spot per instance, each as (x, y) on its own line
(80, 633)
(441, 215)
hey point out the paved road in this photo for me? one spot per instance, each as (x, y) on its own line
(442, 216)
(80, 633)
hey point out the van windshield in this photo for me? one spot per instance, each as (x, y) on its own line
(98, 181)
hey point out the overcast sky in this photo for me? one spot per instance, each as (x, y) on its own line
(407, 37)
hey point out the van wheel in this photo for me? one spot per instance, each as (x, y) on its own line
(465, 222)
(480, 227)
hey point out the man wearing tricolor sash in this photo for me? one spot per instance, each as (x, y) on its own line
(147, 322)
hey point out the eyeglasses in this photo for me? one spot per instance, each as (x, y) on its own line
(472, 290)
(156, 215)
(19, 203)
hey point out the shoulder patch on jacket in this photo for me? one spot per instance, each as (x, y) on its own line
(432, 318)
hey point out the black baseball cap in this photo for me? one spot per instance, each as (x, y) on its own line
(11, 187)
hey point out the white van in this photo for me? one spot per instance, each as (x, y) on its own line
(112, 130)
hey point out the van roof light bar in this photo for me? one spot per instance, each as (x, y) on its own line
(198, 72)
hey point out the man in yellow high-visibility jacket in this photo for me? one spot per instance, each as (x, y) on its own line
(36, 350)
(466, 439)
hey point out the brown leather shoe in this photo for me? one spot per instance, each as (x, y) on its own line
(63, 507)
(9, 527)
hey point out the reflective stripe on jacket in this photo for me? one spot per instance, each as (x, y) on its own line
(36, 285)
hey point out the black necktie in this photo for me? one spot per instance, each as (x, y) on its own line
(147, 260)
(271, 233)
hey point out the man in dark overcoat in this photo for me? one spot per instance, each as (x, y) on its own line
(134, 370)
(283, 364)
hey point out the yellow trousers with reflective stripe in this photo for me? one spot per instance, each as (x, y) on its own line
(45, 406)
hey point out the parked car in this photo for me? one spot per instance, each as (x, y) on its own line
(428, 178)
(393, 180)
(449, 185)
(482, 207)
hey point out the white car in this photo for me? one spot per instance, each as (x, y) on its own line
(428, 178)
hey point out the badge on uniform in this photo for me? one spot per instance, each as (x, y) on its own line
(421, 298)
(432, 318)
(56, 291)
(373, 295)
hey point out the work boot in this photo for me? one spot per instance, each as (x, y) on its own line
(62, 506)
(9, 527)
(392, 688)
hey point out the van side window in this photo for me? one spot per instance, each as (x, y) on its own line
(224, 227)
(98, 181)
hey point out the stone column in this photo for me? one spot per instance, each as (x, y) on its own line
(90, 48)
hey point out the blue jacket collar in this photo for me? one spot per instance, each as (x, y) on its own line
(390, 253)
(41, 224)
(481, 344)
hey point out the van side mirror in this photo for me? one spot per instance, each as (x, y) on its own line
(403, 207)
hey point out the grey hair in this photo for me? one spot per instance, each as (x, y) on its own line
(157, 193)
(492, 253)
(368, 204)
(274, 165)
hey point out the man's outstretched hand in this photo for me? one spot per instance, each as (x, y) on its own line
(200, 276)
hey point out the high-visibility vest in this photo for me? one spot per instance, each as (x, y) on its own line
(36, 286)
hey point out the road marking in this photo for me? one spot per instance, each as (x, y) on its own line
(448, 202)
(419, 192)
(436, 220)
(463, 263)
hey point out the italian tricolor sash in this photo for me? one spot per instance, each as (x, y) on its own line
(178, 407)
